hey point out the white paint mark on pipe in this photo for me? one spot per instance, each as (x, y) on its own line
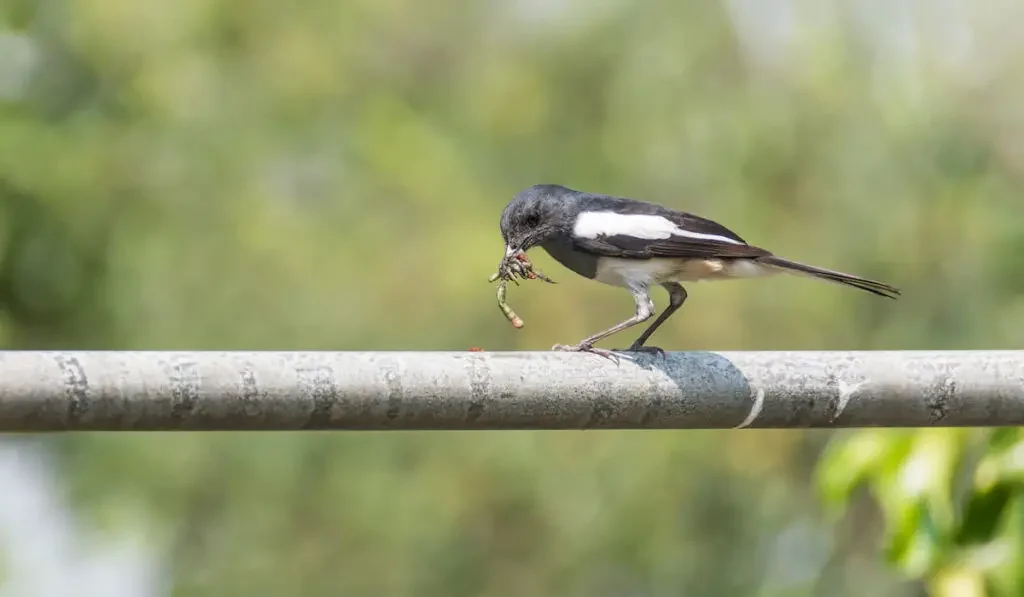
(846, 392)
(755, 409)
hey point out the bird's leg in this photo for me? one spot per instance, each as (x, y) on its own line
(676, 298)
(644, 311)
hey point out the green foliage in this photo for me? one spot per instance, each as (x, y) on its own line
(951, 501)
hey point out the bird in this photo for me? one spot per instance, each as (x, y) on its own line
(640, 246)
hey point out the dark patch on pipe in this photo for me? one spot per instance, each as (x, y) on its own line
(184, 389)
(835, 398)
(395, 393)
(318, 384)
(479, 387)
(250, 391)
(76, 387)
(938, 402)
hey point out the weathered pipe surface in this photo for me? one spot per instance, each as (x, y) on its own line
(65, 391)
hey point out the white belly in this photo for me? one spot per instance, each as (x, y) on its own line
(649, 272)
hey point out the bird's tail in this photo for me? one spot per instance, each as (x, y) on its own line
(879, 288)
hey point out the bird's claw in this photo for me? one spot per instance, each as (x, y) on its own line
(584, 347)
(646, 350)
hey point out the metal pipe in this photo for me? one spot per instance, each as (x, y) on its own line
(135, 391)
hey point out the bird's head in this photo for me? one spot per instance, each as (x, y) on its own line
(536, 214)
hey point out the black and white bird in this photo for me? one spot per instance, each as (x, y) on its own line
(639, 245)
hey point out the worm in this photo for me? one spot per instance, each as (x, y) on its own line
(517, 321)
(508, 270)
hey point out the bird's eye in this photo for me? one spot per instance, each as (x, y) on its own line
(531, 219)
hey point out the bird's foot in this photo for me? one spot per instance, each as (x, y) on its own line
(646, 349)
(584, 347)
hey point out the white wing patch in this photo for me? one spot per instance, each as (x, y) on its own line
(591, 224)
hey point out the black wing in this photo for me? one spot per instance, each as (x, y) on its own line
(631, 247)
(674, 246)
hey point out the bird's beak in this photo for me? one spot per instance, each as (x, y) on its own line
(514, 246)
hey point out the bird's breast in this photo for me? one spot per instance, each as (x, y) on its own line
(562, 251)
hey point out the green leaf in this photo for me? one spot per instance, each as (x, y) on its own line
(1003, 464)
(1003, 438)
(914, 542)
(982, 514)
(853, 459)
(914, 490)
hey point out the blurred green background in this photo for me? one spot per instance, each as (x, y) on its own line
(227, 174)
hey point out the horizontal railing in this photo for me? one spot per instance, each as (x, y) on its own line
(64, 391)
